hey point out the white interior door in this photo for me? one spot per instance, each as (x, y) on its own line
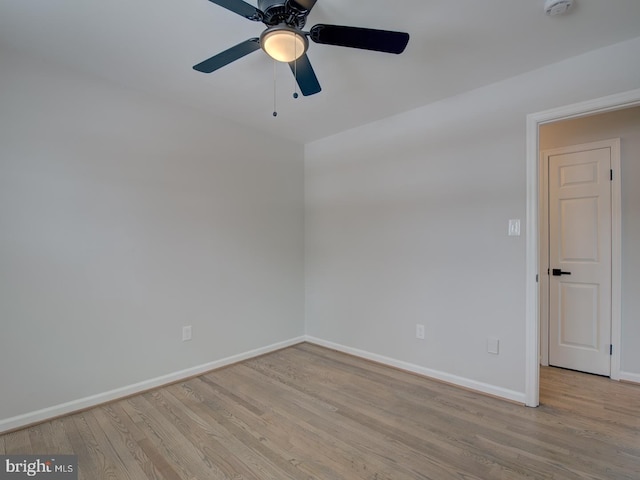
(580, 258)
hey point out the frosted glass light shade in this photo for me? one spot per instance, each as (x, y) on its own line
(284, 44)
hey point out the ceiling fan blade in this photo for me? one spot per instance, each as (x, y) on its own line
(305, 5)
(240, 7)
(364, 38)
(231, 55)
(305, 76)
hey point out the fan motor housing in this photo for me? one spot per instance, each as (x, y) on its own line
(276, 13)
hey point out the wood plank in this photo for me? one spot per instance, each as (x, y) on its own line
(42, 439)
(18, 443)
(117, 456)
(169, 441)
(124, 437)
(59, 437)
(91, 459)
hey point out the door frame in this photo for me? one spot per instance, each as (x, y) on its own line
(616, 236)
(532, 294)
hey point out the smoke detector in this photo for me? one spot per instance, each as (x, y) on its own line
(557, 7)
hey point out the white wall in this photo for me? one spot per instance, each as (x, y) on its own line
(123, 218)
(406, 222)
(623, 124)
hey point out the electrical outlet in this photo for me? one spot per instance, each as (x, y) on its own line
(186, 333)
(419, 331)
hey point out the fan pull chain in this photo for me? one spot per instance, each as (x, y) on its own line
(275, 112)
(295, 67)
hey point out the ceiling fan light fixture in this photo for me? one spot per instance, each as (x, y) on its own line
(284, 44)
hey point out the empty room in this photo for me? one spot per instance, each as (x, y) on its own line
(300, 239)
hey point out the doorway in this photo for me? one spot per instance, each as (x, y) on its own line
(579, 200)
(532, 321)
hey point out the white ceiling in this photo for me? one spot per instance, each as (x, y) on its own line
(455, 46)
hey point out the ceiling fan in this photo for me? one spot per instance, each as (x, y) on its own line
(285, 41)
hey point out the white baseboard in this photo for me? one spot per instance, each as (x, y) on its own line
(100, 398)
(630, 377)
(518, 397)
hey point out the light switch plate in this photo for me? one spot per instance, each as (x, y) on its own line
(493, 345)
(186, 333)
(514, 227)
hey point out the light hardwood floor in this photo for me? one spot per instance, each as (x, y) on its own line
(311, 413)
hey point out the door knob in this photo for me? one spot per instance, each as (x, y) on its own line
(557, 272)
